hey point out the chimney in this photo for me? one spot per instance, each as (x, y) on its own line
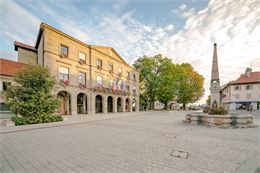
(248, 72)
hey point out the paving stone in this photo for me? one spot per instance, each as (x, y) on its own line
(134, 143)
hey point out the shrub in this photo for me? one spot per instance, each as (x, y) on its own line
(206, 109)
(36, 120)
(216, 111)
(31, 93)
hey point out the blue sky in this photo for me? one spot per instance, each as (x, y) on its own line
(183, 30)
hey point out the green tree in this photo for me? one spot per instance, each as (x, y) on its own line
(148, 68)
(156, 79)
(189, 84)
(30, 95)
(208, 100)
(167, 83)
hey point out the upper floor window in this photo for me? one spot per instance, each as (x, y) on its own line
(6, 85)
(237, 96)
(120, 85)
(111, 83)
(99, 80)
(82, 57)
(99, 63)
(119, 71)
(127, 88)
(110, 68)
(134, 90)
(134, 77)
(64, 50)
(128, 74)
(237, 87)
(249, 87)
(82, 77)
(64, 73)
(248, 96)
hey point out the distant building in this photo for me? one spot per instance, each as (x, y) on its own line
(170, 105)
(158, 105)
(7, 71)
(242, 93)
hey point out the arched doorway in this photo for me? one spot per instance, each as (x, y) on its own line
(119, 105)
(82, 106)
(133, 104)
(99, 105)
(127, 105)
(65, 103)
(109, 104)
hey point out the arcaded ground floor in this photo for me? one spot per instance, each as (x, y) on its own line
(138, 142)
(74, 102)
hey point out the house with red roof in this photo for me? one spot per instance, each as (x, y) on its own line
(242, 93)
(8, 69)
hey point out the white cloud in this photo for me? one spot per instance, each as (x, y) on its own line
(169, 27)
(17, 23)
(182, 6)
(233, 25)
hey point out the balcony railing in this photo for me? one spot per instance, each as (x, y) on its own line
(83, 86)
(110, 89)
(64, 83)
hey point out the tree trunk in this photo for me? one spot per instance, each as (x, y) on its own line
(184, 106)
(166, 105)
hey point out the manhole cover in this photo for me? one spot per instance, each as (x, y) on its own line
(170, 135)
(180, 154)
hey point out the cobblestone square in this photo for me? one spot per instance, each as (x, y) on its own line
(143, 142)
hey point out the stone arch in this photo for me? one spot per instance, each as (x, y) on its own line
(82, 101)
(109, 104)
(99, 104)
(127, 105)
(65, 103)
(134, 104)
(119, 104)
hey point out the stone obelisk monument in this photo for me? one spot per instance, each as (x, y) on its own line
(215, 83)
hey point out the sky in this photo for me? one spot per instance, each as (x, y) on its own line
(183, 30)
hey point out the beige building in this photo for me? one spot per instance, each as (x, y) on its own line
(92, 79)
(242, 93)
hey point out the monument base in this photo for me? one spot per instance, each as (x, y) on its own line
(224, 121)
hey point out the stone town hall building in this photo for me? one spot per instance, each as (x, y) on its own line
(92, 79)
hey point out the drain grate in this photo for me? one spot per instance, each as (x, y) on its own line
(180, 154)
(170, 135)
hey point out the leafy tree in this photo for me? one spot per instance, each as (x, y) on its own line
(208, 100)
(148, 68)
(189, 84)
(156, 79)
(162, 80)
(167, 83)
(30, 95)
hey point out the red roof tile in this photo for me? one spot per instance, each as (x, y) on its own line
(25, 46)
(253, 78)
(9, 68)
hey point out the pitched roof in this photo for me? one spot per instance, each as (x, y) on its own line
(9, 68)
(253, 78)
(244, 79)
(25, 46)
